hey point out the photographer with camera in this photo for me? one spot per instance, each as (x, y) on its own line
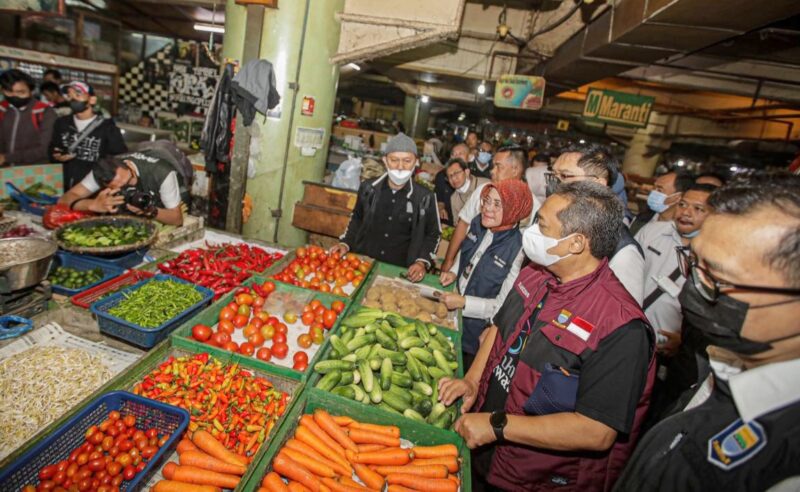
(140, 183)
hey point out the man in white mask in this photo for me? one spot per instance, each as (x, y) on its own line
(395, 221)
(462, 181)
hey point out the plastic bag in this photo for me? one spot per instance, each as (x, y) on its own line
(348, 175)
(59, 214)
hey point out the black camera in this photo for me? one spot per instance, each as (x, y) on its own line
(140, 199)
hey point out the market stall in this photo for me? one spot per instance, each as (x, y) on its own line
(225, 350)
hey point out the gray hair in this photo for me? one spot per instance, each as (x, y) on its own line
(594, 211)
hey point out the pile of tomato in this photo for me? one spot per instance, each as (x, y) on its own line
(113, 451)
(313, 268)
(245, 312)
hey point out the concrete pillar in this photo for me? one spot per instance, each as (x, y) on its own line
(409, 111)
(646, 147)
(298, 38)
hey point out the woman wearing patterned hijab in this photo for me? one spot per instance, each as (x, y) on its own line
(489, 259)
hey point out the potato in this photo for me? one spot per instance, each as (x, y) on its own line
(409, 309)
(389, 297)
(441, 310)
(372, 303)
(373, 294)
(423, 316)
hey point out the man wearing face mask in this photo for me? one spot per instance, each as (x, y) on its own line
(481, 166)
(736, 430)
(594, 163)
(26, 125)
(84, 137)
(463, 183)
(394, 220)
(661, 201)
(562, 379)
(442, 188)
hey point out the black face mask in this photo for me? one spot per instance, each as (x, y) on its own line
(78, 106)
(721, 323)
(18, 102)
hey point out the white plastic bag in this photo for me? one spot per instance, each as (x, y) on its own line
(348, 175)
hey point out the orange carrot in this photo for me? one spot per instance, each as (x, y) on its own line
(449, 461)
(369, 477)
(368, 448)
(340, 487)
(324, 488)
(273, 483)
(202, 460)
(303, 434)
(307, 450)
(422, 483)
(290, 469)
(206, 442)
(343, 420)
(430, 471)
(186, 445)
(326, 422)
(352, 483)
(173, 486)
(387, 457)
(455, 479)
(199, 476)
(169, 470)
(297, 487)
(308, 422)
(400, 488)
(361, 436)
(435, 451)
(389, 430)
(263, 489)
(317, 468)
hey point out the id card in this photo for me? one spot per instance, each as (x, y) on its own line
(668, 286)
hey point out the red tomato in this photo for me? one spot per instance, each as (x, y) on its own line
(114, 415)
(256, 339)
(129, 472)
(268, 287)
(245, 299)
(329, 318)
(279, 337)
(47, 472)
(267, 331)
(231, 347)
(281, 328)
(201, 333)
(243, 310)
(249, 330)
(149, 452)
(240, 320)
(272, 320)
(279, 350)
(114, 468)
(226, 314)
(258, 301)
(220, 338)
(130, 420)
(257, 322)
(264, 353)
(300, 366)
(308, 318)
(151, 433)
(247, 348)
(317, 335)
(301, 252)
(300, 357)
(337, 306)
(304, 341)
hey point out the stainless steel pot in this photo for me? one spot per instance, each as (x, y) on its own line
(24, 262)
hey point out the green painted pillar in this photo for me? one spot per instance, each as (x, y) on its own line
(298, 38)
(409, 111)
(423, 118)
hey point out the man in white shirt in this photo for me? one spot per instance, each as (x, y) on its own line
(463, 183)
(139, 183)
(535, 176)
(509, 163)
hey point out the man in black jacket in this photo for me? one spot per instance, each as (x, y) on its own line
(395, 221)
(84, 137)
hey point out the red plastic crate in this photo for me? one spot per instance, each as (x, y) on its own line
(87, 298)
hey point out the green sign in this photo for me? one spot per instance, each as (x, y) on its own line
(617, 108)
(519, 92)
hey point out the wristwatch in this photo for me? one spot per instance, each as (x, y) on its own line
(498, 421)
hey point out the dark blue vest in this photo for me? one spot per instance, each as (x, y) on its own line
(488, 276)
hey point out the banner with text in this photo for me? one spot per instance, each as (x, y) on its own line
(617, 108)
(519, 92)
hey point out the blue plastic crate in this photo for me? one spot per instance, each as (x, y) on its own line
(80, 262)
(125, 260)
(137, 335)
(33, 204)
(58, 445)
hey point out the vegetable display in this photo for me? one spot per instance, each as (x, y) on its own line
(72, 278)
(312, 268)
(19, 231)
(38, 385)
(326, 452)
(156, 302)
(114, 451)
(383, 360)
(245, 325)
(232, 405)
(220, 268)
(203, 462)
(447, 232)
(104, 235)
(399, 297)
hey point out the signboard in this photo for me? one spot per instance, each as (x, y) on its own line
(192, 84)
(519, 92)
(617, 108)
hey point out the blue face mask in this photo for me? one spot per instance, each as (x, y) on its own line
(656, 201)
(691, 234)
(484, 157)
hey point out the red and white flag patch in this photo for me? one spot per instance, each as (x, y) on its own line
(580, 328)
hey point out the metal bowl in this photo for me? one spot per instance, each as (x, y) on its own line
(111, 220)
(24, 262)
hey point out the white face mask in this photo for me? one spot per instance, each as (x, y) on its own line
(399, 176)
(464, 187)
(535, 244)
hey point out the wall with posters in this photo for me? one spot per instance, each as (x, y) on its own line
(180, 78)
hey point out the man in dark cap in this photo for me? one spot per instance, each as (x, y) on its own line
(395, 221)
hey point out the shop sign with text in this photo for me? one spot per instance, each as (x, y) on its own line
(617, 108)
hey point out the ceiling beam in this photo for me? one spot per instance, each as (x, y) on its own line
(188, 3)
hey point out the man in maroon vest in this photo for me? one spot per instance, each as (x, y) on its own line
(562, 380)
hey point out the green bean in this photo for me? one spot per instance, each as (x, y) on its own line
(156, 302)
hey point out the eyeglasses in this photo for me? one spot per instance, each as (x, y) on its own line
(560, 177)
(497, 204)
(708, 285)
(453, 175)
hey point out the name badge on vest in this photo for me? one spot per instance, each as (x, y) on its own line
(472, 237)
(409, 208)
(668, 285)
(501, 263)
(736, 444)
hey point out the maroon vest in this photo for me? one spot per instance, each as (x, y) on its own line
(602, 300)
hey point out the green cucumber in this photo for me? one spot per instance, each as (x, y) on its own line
(347, 336)
(346, 377)
(356, 376)
(384, 406)
(422, 332)
(423, 407)
(345, 391)
(401, 379)
(360, 341)
(406, 331)
(362, 353)
(423, 388)
(398, 358)
(395, 402)
(395, 319)
(422, 355)
(385, 340)
(370, 328)
(376, 395)
(408, 342)
(326, 366)
(329, 381)
(366, 375)
(441, 363)
(413, 367)
(375, 364)
(373, 351)
(413, 415)
(438, 409)
(401, 393)
(337, 345)
(359, 393)
(385, 328)
(436, 373)
(386, 373)
(350, 358)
